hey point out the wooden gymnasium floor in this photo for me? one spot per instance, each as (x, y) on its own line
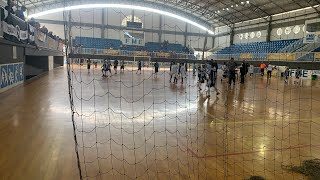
(132, 126)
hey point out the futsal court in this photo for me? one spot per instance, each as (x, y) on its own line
(137, 126)
(159, 89)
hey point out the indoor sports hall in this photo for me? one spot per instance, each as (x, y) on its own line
(159, 89)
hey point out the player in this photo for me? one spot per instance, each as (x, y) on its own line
(286, 75)
(156, 69)
(211, 79)
(242, 72)
(122, 67)
(250, 70)
(104, 69)
(224, 71)
(269, 71)
(182, 72)
(232, 72)
(88, 65)
(139, 67)
(201, 76)
(174, 73)
(115, 65)
(298, 77)
(194, 68)
(108, 69)
(262, 67)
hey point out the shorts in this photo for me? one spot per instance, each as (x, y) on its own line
(122, 67)
(156, 70)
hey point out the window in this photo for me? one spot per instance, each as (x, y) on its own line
(279, 32)
(246, 35)
(240, 36)
(258, 34)
(252, 35)
(296, 29)
(287, 31)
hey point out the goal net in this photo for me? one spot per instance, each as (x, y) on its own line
(166, 126)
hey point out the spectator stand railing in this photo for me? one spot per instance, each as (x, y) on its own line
(16, 30)
(296, 56)
(79, 50)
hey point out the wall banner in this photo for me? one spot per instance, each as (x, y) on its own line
(11, 74)
(305, 74)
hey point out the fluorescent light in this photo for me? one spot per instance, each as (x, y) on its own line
(122, 6)
(232, 6)
(247, 2)
(227, 9)
(242, 2)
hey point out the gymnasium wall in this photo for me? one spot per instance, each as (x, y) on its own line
(11, 66)
(287, 32)
(114, 17)
(222, 41)
(249, 37)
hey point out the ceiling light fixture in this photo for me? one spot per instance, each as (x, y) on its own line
(242, 2)
(247, 2)
(122, 6)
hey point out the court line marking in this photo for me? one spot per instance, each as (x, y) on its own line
(250, 152)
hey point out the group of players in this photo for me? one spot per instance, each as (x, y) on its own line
(207, 72)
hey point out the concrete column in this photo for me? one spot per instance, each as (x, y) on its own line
(269, 29)
(213, 38)
(204, 45)
(185, 36)
(103, 27)
(132, 14)
(160, 28)
(232, 35)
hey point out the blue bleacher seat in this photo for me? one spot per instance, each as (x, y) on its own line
(257, 47)
(99, 43)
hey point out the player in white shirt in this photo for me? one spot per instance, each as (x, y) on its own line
(251, 69)
(182, 72)
(269, 71)
(174, 72)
